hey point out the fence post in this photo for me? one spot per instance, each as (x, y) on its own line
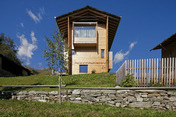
(59, 89)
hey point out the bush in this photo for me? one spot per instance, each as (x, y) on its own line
(156, 84)
(129, 81)
(93, 71)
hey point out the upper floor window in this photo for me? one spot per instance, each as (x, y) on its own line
(85, 29)
(85, 32)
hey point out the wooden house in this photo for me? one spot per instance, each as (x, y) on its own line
(90, 33)
(168, 47)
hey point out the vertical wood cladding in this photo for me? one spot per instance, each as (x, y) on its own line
(91, 56)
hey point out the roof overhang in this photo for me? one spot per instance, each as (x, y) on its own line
(166, 42)
(90, 14)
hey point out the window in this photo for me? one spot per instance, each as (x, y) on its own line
(83, 68)
(102, 53)
(85, 32)
(73, 52)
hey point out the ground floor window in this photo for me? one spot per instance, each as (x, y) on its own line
(83, 68)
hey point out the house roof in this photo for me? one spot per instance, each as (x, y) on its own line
(166, 42)
(89, 13)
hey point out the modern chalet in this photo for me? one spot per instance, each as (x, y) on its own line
(168, 47)
(90, 33)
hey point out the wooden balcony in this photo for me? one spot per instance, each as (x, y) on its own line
(85, 42)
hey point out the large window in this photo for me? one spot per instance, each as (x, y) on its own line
(83, 68)
(85, 32)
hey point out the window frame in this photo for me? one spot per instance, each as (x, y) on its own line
(83, 71)
(94, 24)
(103, 55)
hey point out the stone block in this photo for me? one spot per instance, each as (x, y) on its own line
(75, 101)
(42, 100)
(22, 93)
(140, 105)
(78, 99)
(156, 103)
(173, 98)
(76, 92)
(118, 104)
(109, 91)
(53, 93)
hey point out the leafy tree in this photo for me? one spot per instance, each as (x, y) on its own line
(8, 48)
(56, 52)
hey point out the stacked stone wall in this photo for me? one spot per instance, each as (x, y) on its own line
(158, 99)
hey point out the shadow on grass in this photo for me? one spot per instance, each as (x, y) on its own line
(18, 88)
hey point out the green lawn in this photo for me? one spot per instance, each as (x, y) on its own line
(83, 80)
(15, 108)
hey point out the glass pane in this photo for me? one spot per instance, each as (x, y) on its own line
(102, 53)
(85, 32)
(83, 68)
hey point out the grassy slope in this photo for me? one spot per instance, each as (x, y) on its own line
(16, 108)
(84, 80)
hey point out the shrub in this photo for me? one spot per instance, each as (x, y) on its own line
(156, 84)
(129, 81)
(93, 71)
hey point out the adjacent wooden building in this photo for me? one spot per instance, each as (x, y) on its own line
(168, 47)
(90, 33)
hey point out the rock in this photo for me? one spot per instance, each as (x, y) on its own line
(131, 99)
(150, 91)
(140, 105)
(78, 99)
(117, 87)
(36, 98)
(109, 91)
(174, 103)
(23, 93)
(42, 100)
(32, 92)
(118, 104)
(122, 91)
(153, 95)
(41, 92)
(76, 92)
(111, 102)
(139, 99)
(144, 96)
(53, 93)
(156, 103)
(172, 98)
(75, 101)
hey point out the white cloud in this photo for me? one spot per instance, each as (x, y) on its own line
(37, 17)
(120, 56)
(25, 50)
(132, 45)
(22, 24)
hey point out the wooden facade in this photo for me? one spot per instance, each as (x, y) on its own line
(168, 47)
(89, 51)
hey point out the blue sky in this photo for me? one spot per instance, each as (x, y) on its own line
(144, 24)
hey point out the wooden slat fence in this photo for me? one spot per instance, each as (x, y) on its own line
(150, 71)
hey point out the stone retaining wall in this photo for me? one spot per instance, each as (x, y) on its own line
(158, 99)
